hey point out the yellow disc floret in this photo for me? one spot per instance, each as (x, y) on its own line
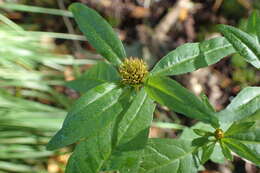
(219, 133)
(133, 71)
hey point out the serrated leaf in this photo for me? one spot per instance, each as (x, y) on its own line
(245, 44)
(242, 150)
(171, 94)
(168, 156)
(192, 56)
(96, 75)
(225, 150)
(207, 151)
(88, 115)
(245, 104)
(98, 33)
(236, 128)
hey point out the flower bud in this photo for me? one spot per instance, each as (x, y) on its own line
(133, 71)
(219, 133)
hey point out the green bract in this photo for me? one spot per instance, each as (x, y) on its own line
(110, 123)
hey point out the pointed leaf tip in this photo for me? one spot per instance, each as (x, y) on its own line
(99, 33)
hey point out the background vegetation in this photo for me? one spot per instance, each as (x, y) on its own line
(41, 50)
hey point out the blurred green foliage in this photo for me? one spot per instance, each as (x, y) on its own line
(31, 109)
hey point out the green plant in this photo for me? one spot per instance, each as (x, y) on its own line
(243, 73)
(26, 124)
(246, 44)
(110, 122)
(31, 109)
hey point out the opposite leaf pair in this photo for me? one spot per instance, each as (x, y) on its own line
(110, 122)
(239, 130)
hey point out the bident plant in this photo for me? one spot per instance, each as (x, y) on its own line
(110, 122)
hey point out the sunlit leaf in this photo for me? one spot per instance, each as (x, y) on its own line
(88, 115)
(98, 33)
(96, 75)
(168, 156)
(245, 44)
(244, 105)
(192, 56)
(170, 93)
(242, 150)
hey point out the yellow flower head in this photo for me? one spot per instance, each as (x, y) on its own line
(133, 71)
(219, 133)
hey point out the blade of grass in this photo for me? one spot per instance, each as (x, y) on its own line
(14, 167)
(10, 23)
(35, 9)
(166, 125)
(57, 35)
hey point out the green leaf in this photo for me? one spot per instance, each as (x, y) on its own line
(254, 147)
(15, 167)
(90, 155)
(35, 9)
(253, 25)
(125, 162)
(189, 134)
(245, 44)
(254, 118)
(205, 100)
(168, 156)
(245, 96)
(134, 127)
(248, 137)
(217, 156)
(225, 150)
(207, 151)
(242, 150)
(96, 75)
(245, 104)
(198, 142)
(130, 131)
(171, 94)
(192, 56)
(236, 128)
(72, 164)
(133, 132)
(166, 125)
(202, 132)
(88, 115)
(99, 33)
